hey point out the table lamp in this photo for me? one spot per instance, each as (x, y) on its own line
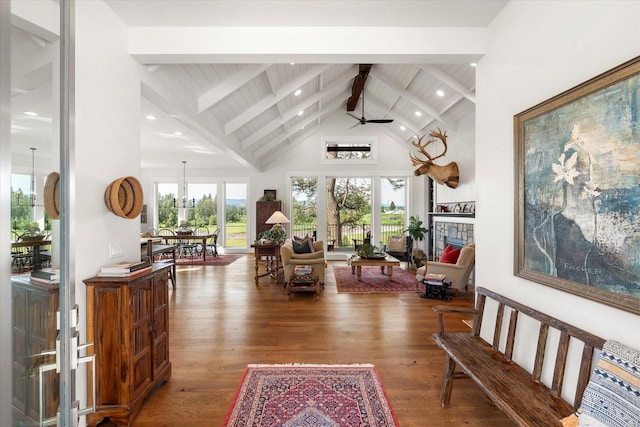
(277, 219)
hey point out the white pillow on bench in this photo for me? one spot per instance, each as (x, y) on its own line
(612, 396)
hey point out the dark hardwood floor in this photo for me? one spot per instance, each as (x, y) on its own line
(221, 322)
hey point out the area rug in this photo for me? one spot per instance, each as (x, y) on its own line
(310, 396)
(373, 281)
(211, 260)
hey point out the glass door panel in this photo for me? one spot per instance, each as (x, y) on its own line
(203, 197)
(33, 142)
(393, 212)
(167, 214)
(349, 210)
(304, 200)
(235, 207)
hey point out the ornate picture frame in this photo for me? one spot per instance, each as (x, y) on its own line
(577, 160)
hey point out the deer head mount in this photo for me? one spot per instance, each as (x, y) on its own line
(448, 175)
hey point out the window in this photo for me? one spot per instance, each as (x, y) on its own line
(167, 205)
(349, 150)
(203, 199)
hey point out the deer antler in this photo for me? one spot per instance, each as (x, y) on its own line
(442, 136)
(421, 147)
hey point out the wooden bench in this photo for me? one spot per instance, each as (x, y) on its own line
(519, 393)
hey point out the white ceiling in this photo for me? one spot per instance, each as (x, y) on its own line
(243, 114)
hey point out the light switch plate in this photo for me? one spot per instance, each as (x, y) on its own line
(116, 250)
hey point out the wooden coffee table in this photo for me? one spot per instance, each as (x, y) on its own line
(388, 261)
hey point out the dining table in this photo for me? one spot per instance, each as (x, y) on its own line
(181, 238)
(36, 245)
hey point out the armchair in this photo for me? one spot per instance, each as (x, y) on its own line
(400, 247)
(290, 259)
(457, 273)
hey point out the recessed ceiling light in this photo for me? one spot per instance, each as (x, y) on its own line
(292, 63)
(301, 112)
(403, 128)
(31, 113)
(419, 113)
(439, 93)
(298, 92)
(150, 117)
(177, 133)
(473, 64)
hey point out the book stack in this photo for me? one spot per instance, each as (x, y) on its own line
(124, 269)
(434, 279)
(303, 270)
(47, 276)
(435, 286)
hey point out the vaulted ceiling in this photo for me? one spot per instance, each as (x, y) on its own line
(214, 111)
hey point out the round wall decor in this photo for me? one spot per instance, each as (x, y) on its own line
(124, 197)
(52, 195)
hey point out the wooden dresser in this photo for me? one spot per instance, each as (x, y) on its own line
(263, 212)
(128, 323)
(34, 331)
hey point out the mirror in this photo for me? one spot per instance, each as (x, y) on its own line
(35, 148)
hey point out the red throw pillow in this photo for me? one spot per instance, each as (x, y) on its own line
(450, 255)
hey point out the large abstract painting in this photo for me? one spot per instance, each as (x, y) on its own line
(578, 189)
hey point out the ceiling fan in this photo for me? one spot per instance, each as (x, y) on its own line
(358, 85)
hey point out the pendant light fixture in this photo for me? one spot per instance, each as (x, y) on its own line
(185, 197)
(33, 195)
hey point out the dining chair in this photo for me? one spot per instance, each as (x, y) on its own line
(21, 257)
(200, 230)
(212, 243)
(168, 232)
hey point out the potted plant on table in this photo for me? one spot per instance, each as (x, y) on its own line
(32, 232)
(184, 228)
(274, 235)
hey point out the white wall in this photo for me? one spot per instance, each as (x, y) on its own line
(538, 49)
(106, 144)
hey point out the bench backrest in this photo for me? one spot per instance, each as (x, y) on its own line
(508, 307)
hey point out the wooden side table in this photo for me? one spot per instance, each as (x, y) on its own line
(271, 253)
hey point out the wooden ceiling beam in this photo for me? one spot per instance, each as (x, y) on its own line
(358, 86)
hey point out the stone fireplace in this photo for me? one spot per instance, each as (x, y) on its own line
(457, 232)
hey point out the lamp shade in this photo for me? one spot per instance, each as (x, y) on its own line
(277, 218)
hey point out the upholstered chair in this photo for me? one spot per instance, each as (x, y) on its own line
(400, 247)
(290, 259)
(458, 273)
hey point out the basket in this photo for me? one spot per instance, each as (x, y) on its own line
(124, 197)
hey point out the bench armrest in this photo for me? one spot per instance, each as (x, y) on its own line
(442, 309)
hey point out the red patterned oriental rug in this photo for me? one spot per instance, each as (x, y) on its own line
(373, 281)
(310, 396)
(221, 259)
